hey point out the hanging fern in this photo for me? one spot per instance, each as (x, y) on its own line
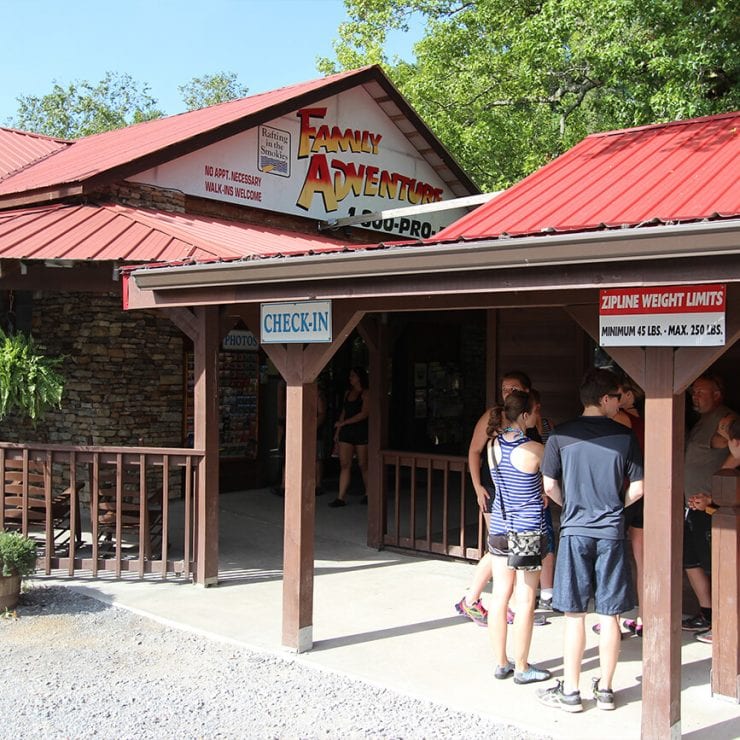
(29, 381)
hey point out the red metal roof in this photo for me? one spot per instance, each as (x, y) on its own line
(673, 172)
(95, 154)
(124, 152)
(18, 149)
(118, 233)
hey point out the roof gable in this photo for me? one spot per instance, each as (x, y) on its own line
(114, 155)
(340, 156)
(666, 173)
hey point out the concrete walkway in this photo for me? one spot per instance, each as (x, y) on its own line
(389, 619)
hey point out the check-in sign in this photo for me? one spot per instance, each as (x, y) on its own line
(665, 316)
(305, 322)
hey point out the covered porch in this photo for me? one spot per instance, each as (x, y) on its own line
(371, 607)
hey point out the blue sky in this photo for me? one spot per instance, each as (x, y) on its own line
(165, 43)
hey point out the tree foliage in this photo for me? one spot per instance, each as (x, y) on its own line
(207, 90)
(509, 84)
(82, 108)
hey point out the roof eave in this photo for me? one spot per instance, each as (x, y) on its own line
(42, 195)
(661, 242)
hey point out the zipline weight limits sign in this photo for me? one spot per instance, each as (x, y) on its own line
(665, 316)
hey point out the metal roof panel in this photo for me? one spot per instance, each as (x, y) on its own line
(119, 233)
(680, 171)
(18, 149)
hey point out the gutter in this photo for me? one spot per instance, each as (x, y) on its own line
(703, 239)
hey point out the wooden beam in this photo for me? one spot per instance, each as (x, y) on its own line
(206, 413)
(725, 674)
(535, 286)
(374, 332)
(300, 504)
(185, 320)
(691, 362)
(344, 319)
(664, 506)
(630, 359)
(368, 330)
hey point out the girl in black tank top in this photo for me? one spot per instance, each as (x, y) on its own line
(351, 434)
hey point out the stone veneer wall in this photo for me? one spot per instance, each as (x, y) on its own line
(123, 372)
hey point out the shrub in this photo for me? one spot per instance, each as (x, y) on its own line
(17, 554)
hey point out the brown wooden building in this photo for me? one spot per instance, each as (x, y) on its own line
(209, 197)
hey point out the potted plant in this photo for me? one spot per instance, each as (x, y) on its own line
(17, 559)
(30, 383)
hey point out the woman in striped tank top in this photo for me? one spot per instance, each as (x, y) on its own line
(518, 506)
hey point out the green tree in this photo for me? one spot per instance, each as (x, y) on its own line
(82, 108)
(509, 84)
(207, 90)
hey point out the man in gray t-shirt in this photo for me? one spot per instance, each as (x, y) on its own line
(706, 451)
(585, 466)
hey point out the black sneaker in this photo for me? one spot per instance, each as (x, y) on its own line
(604, 697)
(697, 623)
(556, 697)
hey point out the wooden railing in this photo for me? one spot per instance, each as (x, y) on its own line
(110, 509)
(429, 505)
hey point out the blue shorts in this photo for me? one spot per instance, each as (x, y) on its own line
(586, 567)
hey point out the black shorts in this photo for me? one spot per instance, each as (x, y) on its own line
(491, 497)
(354, 434)
(697, 540)
(634, 515)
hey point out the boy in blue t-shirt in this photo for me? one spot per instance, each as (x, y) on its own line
(585, 465)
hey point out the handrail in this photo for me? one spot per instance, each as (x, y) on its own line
(428, 504)
(135, 513)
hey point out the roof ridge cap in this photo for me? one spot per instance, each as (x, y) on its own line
(37, 135)
(665, 124)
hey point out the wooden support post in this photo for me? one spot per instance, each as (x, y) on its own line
(300, 505)
(661, 609)
(205, 345)
(375, 335)
(300, 367)
(726, 586)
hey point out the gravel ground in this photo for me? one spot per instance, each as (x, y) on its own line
(73, 666)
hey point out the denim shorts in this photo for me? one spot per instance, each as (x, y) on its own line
(589, 567)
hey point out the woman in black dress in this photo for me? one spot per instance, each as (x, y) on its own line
(351, 433)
